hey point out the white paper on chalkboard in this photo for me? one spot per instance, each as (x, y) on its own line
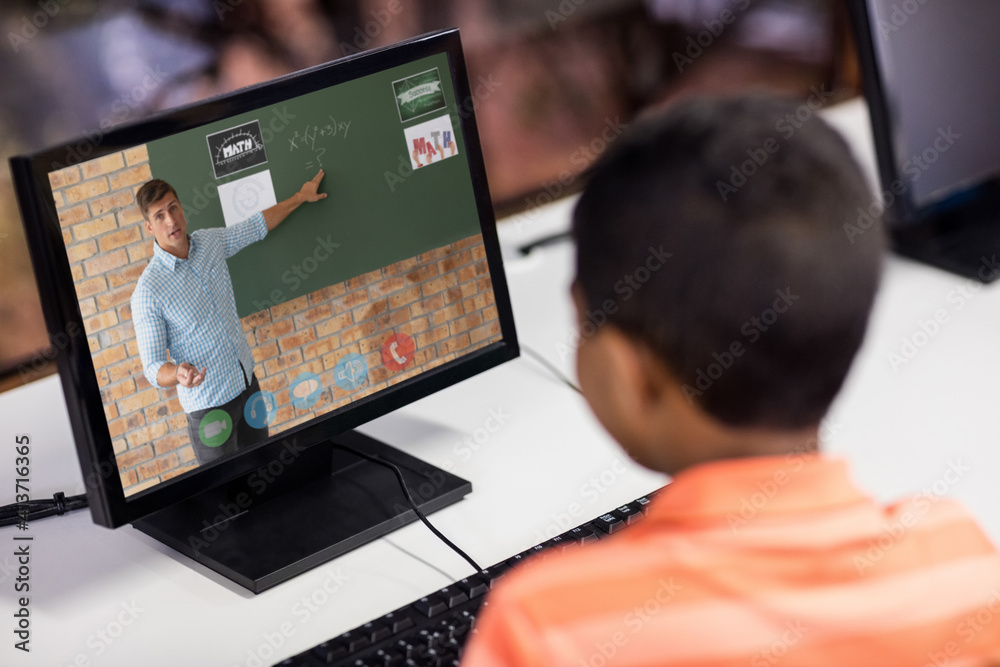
(245, 196)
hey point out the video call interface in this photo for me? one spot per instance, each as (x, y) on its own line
(384, 279)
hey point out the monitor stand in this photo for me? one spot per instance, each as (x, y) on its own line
(324, 503)
(965, 242)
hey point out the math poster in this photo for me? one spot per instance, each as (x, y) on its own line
(430, 141)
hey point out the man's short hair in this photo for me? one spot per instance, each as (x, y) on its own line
(152, 192)
(764, 300)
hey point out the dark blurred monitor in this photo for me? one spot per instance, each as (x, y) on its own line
(932, 79)
(388, 290)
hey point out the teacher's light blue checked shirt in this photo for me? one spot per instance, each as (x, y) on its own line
(187, 307)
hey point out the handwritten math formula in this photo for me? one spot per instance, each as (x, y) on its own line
(307, 137)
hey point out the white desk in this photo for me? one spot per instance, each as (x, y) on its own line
(903, 431)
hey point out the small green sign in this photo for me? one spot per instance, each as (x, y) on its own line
(419, 95)
(215, 428)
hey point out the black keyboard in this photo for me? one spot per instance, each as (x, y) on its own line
(433, 630)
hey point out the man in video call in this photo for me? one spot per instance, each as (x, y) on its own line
(184, 313)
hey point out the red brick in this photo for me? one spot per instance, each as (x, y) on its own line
(465, 323)
(74, 215)
(431, 337)
(274, 384)
(86, 230)
(479, 252)
(400, 267)
(137, 252)
(449, 264)
(313, 315)
(114, 298)
(333, 325)
(127, 276)
(158, 466)
(297, 339)
(101, 321)
(349, 301)
(134, 456)
(386, 286)
(327, 293)
(485, 332)
(170, 474)
(274, 330)
(133, 176)
(102, 165)
(112, 203)
(364, 279)
(266, 351)
(475, 239)
(157, 412)
(65, 176)
(170, 443)
(348, 336)
(421, 274)
(439, 284)
(120, 238)
(138, 401)
(81, 251)
(415, 326)
(288, 307)
(484, 284)
(432, 255)
(404, 297)
(281, 362)
(86, 190)
(131, 215)
(257, 319)
(393, 319)
(146, 434)
(321, 347)
(490, 313)
(136, 155)
(447, 314)
(106, 262)
(370, 310)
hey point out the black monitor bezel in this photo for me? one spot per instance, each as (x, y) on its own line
(904, 214)
(108, 503)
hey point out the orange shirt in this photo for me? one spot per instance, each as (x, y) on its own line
(758, 562)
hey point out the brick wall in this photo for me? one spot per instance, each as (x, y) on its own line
(442, 298)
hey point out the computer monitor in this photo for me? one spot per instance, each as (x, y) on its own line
(932, 79)
(387, 290)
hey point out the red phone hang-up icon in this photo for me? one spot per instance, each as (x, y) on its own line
(397, 351)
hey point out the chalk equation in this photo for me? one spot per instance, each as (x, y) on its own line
(307, 137)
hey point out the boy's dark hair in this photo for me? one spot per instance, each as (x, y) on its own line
(764, 300)
(152, 192)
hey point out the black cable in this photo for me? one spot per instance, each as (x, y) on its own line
(552, 368)
(40, 509)
(409, 499)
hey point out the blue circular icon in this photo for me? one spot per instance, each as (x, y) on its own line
(261, 409)
(305, 390)
(350, 372)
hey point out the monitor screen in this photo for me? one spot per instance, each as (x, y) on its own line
(939, 69)
(389, 288)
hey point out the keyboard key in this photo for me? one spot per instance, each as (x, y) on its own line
(330, 652)
(609, 523)
(398, 622)
(354, 641)
(430, 606)
(376, 631)
(643, 503)
(453, 596)
(474, 586)
(582, 535)
(628, 513)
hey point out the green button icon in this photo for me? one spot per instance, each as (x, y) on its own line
(215, 428)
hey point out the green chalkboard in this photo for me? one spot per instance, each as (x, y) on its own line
(379, 209)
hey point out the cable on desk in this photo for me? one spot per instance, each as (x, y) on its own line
(39, 509)
(409, 499)
(552, 368)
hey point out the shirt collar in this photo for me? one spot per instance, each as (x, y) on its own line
(168, 259)
(770, 485)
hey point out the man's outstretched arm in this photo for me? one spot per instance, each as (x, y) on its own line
(308, 193)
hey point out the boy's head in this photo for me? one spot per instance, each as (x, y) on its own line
(739, 340)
